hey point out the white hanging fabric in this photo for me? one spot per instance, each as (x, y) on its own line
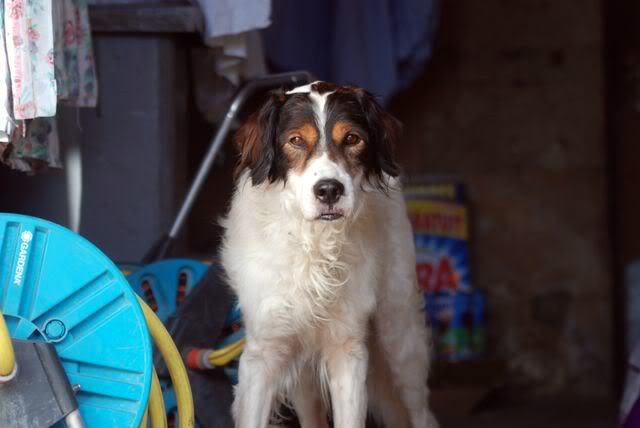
(6, 121)
(28, 28)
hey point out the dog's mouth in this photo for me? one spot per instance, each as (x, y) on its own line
(331, 215)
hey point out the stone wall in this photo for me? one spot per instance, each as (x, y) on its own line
(513, 103)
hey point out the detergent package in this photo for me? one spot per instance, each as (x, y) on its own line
(439, 214)
(478, 332)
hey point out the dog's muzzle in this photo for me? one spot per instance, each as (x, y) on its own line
(329, 192)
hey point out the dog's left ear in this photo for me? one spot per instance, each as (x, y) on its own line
(384, 132)
(257, 141)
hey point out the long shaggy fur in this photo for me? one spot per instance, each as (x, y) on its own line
(332, 310)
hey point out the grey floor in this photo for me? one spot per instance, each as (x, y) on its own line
(553, 412)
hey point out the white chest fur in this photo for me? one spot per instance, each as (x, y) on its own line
(291, 275)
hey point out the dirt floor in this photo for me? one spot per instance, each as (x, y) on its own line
(552, 412)
(559, 412)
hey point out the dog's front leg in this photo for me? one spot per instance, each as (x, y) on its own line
(347, 367)
(255, 390)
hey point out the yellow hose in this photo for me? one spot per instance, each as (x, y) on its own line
(173, 359)
(7, 357)
(156, 404)
(222, 357)
(143, 424)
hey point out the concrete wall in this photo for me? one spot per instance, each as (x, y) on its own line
(623, 55)
(513, 103)
(130, 151)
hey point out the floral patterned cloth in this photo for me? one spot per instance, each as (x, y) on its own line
(29, 42)
(34, 146)
(48, 57)
(74, 61)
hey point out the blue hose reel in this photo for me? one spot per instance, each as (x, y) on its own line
(165, 284)
(57, 287)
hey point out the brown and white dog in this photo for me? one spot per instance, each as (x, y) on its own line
(320, 252)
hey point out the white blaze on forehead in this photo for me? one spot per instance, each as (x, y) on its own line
(319, 106)
(320, 110)
(304, 89)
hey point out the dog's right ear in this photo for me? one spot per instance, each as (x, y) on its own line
(257, 141)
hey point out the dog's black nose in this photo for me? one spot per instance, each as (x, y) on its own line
(328, 191)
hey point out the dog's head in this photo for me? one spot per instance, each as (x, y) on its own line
(326, 143)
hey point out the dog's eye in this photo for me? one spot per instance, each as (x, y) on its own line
(351, 139)
(296, 141)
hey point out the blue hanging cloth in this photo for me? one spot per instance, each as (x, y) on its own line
(381, 45)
